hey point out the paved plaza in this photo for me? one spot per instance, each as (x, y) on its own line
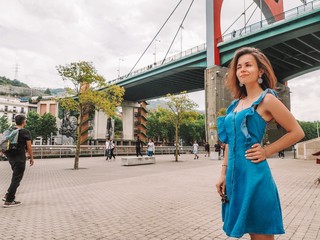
(166, 200)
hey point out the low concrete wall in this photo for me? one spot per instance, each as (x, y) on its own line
(129, 161)
(307, 148)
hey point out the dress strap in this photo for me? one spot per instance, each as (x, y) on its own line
(268, 90)
(232, 106)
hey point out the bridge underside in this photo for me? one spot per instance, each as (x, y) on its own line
(174, 76)
(296, 56)
(176, 81)
(293, 47)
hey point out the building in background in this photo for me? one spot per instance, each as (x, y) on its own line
(48, 105)
(10, 107)
(140, 121)
(98, 126)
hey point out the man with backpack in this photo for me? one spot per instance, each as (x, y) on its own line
(17, 159)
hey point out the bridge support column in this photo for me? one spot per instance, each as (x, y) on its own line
(216, 98)
(100, 123)
(128, 119)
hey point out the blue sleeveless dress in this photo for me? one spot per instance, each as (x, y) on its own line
(254, 204)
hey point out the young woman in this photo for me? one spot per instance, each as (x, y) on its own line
(151, 148)
(195, 150)
(250, 198)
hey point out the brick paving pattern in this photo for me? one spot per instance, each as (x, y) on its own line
(166, 200)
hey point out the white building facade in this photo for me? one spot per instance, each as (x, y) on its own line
(10, 107)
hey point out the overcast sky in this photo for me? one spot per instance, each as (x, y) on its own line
(38, 35)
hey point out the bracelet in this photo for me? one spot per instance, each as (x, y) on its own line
(224, 165)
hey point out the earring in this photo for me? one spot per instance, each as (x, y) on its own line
(260, 80)
(240, 84)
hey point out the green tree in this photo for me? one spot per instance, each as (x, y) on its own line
(4, 124)
(310, 130)
(47, 126)
(117, 127)
(222, 112)
(158, 126)
(85, 97)
(193, 130)
(7, 81)
(33, 124)
(180, 106)
(47, 91)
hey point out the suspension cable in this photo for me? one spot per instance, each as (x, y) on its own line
(248, 20)
(175, 36)
(238, 18)
(154, 37)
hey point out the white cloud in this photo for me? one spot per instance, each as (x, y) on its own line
(305, 96)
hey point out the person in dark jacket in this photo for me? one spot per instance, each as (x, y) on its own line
(207, 149)
(17, 159)
(139, 145)
(217, 149)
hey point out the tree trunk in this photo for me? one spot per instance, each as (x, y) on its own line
(76, 159)
(177, 143)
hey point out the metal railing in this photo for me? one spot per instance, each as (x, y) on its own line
(63, 151)
(157, 64)
(287, 15)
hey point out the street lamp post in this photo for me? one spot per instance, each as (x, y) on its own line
(181, 28)
(120, 60)
(261, 12)
(155, 50)
(244, 14)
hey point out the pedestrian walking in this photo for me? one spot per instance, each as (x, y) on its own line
(217, 149)
(108, 149)
(223, 147)
(17, 159)
(112, 148)
(281, 154)
(151, 148)
(250, 200)
(195, 150)
(207, 149)
(139, 146)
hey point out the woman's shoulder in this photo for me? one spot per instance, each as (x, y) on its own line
(270, 102)
(270, 96)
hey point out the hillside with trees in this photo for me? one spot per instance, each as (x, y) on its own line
(16, 83)
(19, 89)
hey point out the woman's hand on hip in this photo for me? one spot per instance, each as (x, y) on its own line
(256, 153)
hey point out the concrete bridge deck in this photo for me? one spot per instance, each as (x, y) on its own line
(166, 200)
